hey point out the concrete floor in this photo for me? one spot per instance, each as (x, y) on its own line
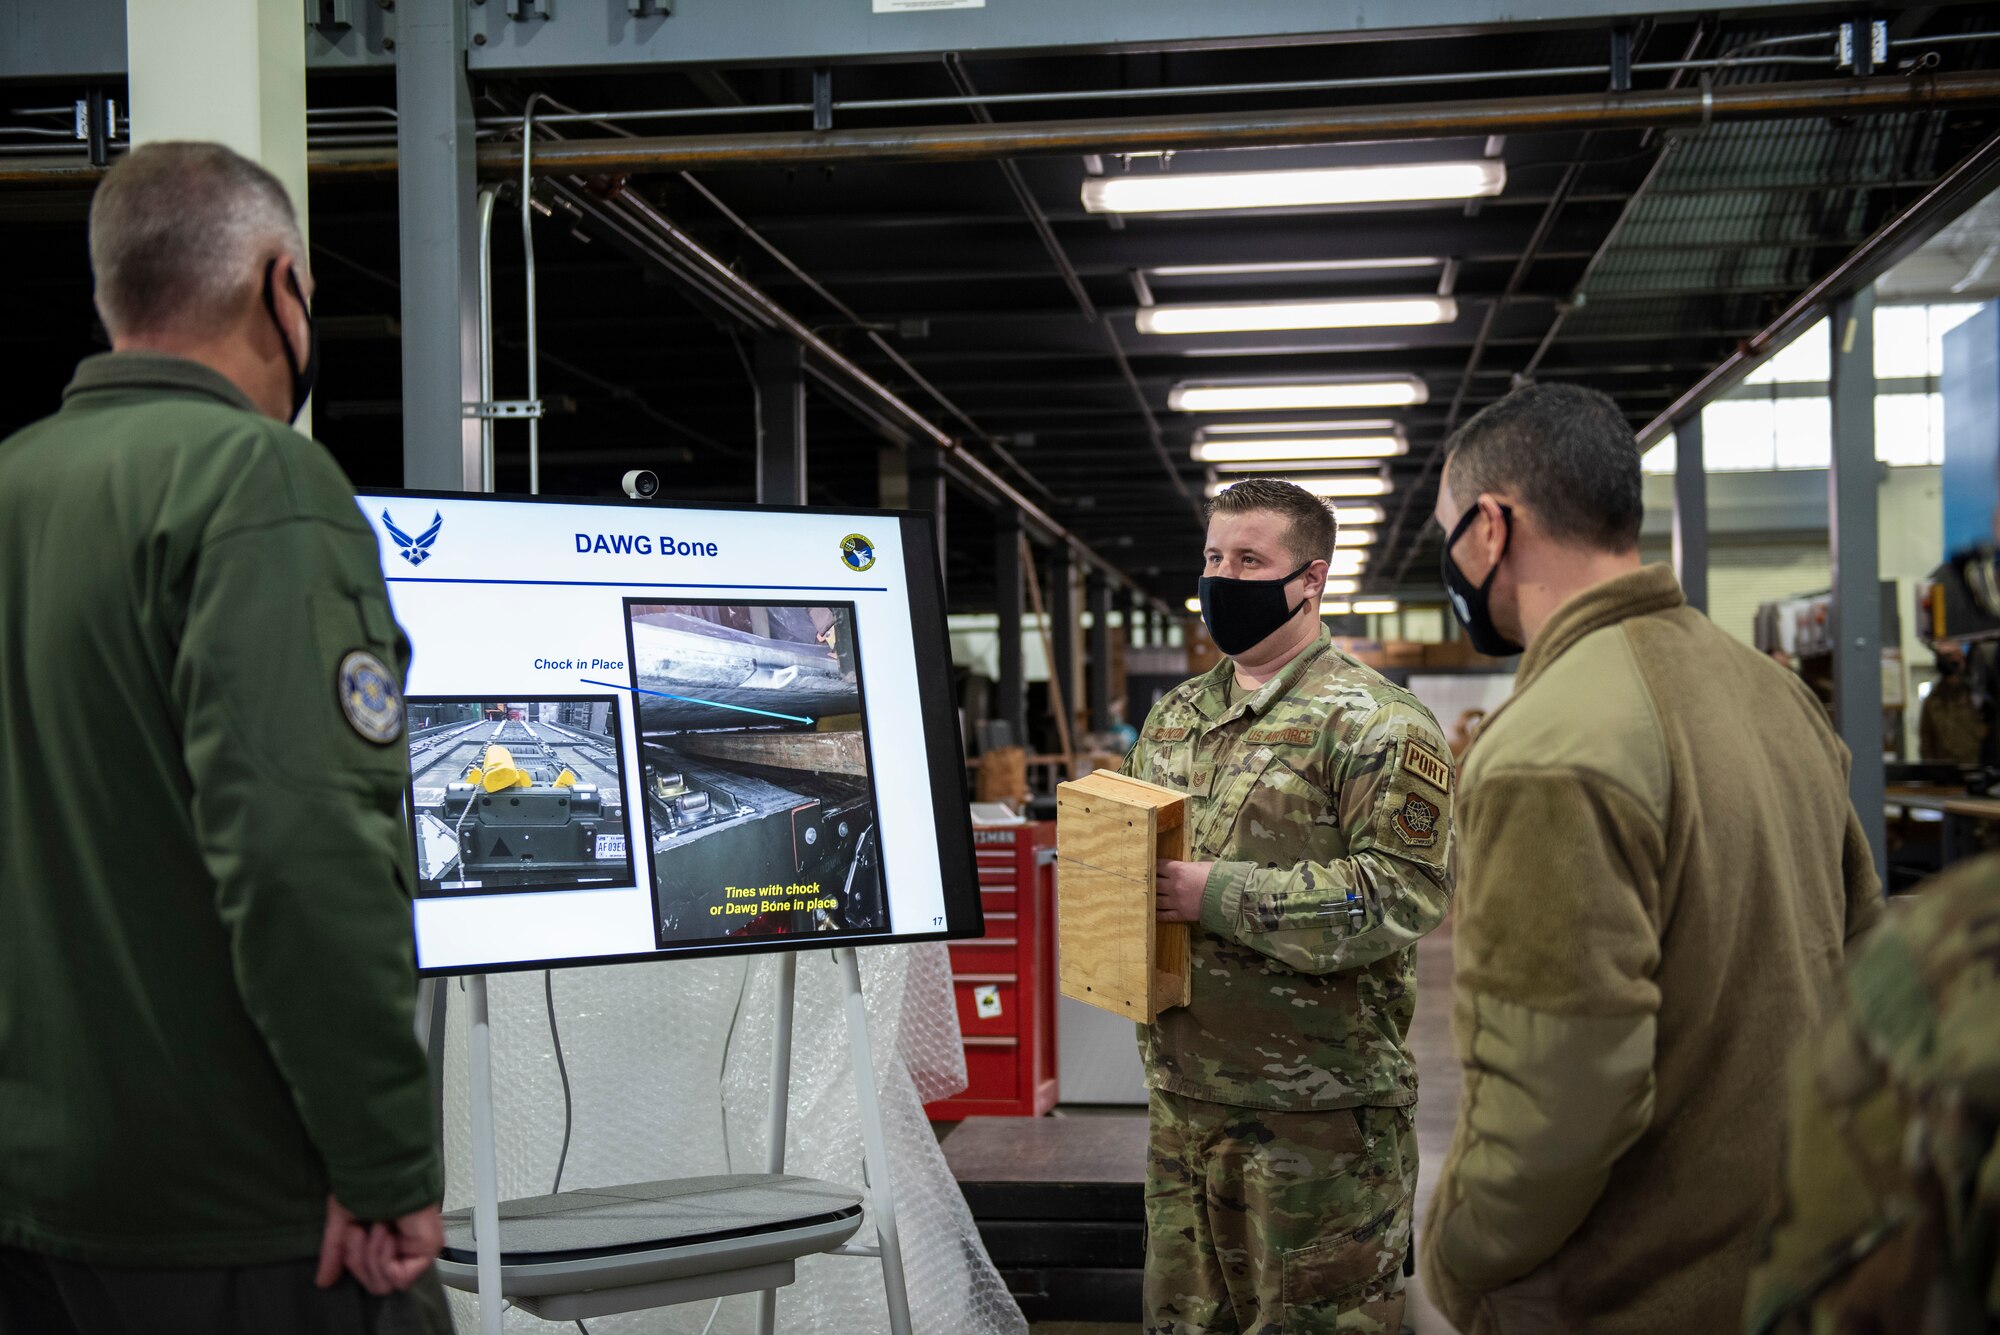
(1437, 1112)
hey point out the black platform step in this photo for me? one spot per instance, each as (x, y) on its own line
(1060, 1205)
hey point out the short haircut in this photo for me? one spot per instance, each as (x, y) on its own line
(178, 230)
(1566, 452)
(1309, 526)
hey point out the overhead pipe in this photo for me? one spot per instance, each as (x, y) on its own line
(1638, 110)
(1665, 108)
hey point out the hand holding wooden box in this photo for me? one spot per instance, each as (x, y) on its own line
(1112, 832)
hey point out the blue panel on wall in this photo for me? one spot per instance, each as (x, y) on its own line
(1971, 387)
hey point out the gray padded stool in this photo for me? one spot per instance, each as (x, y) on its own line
(653, 1244)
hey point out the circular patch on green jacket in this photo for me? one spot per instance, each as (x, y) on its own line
(370, 698)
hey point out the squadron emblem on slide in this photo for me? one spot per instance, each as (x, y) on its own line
(370, 698)
(857, 553)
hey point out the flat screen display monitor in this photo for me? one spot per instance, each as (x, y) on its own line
(639, 730)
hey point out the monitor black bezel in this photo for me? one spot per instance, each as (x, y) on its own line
(944, 746)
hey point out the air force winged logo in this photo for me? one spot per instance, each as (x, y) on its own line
(415, 550)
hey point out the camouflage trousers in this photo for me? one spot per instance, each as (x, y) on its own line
(1276, 1223)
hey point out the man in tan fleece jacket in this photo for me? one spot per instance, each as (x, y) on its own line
(1660, 874)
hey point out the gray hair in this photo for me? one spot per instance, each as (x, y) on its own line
(1566, 452)
(179, 233)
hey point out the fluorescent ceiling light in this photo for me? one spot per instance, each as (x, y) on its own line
(1357, 515)
(1391, 392)
(1343, 586)
(1328, 608)
(1193, 605)
(1349, 562)
(1294, 266)
(1326, 486)
(1377, 607)
(1249, 317)
(1354, 537)
(1189, 192)
(1344, 486)
(1328, 426)
(1282, 466)
(1297, 448)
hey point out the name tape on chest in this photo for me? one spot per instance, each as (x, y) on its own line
(1293, 736)
(1427, 765)
(1165, 734)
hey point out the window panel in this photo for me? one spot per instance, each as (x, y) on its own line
(1659, 459)
(1738, 436)
(1803, 433)
(1807, 357)
(1902, 429)
(1902, 341)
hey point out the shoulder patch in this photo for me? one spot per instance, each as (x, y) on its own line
(1427, 765)
(369, 698)
(1165, 734)
(1293, 736)
(1416, 823)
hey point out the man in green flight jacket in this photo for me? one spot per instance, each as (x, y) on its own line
(214, 1114)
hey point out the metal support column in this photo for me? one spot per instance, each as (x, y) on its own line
(233, 71)
(1009, 586)
(927, 493)
(438, 208)
(1100, 653)
(1691, 511)
(1063, 623)
(914, 479)
(1857, 597)
(781, 423)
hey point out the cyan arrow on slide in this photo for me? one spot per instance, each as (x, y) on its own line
(689, 699)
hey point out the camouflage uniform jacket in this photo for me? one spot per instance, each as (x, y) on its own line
(1890, 1218)
(1324, 800)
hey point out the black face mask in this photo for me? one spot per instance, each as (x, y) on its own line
(1242, 613)
(1474, 605)
(303, 377)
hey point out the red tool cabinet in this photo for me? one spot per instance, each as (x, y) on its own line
(1005, 982)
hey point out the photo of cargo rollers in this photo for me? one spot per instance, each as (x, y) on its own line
(516, 795)
(754, 770)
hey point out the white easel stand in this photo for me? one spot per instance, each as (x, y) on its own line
(875, 1148)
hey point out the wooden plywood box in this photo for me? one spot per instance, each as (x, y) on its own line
(1111, 832)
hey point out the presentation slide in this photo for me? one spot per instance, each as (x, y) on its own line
(640, 730)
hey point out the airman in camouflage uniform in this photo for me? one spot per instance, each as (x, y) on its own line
(1891, 1214)
(1283, 1159)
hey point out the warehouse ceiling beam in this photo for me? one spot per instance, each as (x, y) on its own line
(1971, 180)
(1037, 219)
(632, 220)
(1639, 110)
(86, 38)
